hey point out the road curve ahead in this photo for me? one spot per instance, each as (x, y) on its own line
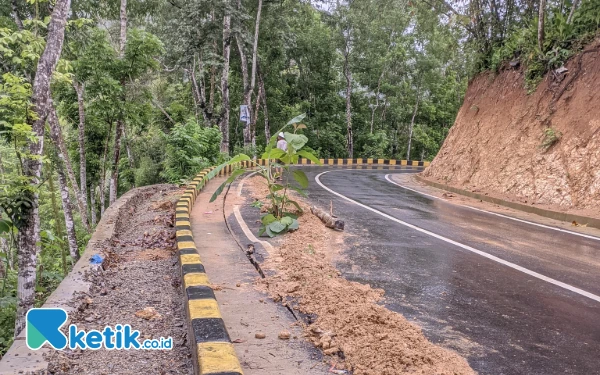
(512, 297)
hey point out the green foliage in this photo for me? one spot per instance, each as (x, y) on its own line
(279, 218)
(190, 148)
(562, 40)
(550, 138)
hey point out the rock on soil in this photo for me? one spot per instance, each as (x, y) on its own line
(140, 286)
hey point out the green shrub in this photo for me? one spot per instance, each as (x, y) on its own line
(189, 149)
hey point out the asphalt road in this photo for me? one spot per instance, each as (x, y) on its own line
(512, 297)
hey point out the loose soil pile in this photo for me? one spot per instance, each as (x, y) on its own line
(541, 149)
(344, 317)
(140, 286)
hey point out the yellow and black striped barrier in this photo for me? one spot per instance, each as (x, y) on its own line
(213, 351)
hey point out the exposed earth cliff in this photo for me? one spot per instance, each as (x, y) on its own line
(542, 148)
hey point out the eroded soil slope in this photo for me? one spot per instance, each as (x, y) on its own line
(502, 142)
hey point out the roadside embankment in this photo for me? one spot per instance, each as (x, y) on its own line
(539, 149)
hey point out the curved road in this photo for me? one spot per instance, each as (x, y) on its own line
(511, 296)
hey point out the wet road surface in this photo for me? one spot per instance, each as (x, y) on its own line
(503, 319)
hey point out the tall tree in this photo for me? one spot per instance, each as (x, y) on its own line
(29, 232)
(224, 122)
(120, 128)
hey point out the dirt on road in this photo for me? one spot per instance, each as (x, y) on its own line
(344, 318)
(140, 286)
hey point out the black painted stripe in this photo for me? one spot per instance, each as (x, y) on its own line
(200, 292)
(192, 268)
(187, 251)
(186, 237)
(182, 218)
(210, 329)
(183, 227)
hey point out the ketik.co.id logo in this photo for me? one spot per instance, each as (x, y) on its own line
(43, 326)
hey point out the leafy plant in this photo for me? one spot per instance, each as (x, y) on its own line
(278, 219)
(551, 136)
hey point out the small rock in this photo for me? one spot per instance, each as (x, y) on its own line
(103, 292)
(284, 335)
(238, 285)
(89, 319)
(260, 335)
(331, 351)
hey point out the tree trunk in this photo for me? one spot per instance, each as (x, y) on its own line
(64, 194)
(374, 108)
(103, 177)
(114, 176)
(120, 128)
(410, 128)
(572, 12)
(29, 232)
(263, 98)
(79, 88)
(129, 153)
(15, 14)
(123, 34)
(93, 206)
(57, 138)
(57, 221)
(542, 16)
(348, 75)
(247, 93)
(224, 123)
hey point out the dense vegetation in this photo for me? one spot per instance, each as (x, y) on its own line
(130, 94)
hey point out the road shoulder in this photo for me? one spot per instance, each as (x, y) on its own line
(245, 310)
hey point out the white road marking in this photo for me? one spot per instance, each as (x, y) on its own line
(387, 177)
(466, 247)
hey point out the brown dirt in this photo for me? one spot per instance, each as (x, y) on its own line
(495, 145)
(344, 317)
(140, 286)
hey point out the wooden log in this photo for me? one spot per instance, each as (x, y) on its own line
(327, 219)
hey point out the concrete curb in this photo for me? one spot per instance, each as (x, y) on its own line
(213, 352)
(561, 216)
(19, 358)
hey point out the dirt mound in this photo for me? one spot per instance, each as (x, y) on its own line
(344, 317)
(542, 148)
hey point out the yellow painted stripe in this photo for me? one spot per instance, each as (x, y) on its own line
(195, 279)
(369, 161)
(217, 357)
(380, 161)
(182, 215)
(426, 164)
(183, 222)
(393, 162)
(359, 161)
(190, 259)
(303, 161)
(204, 308)
(340, 161)
(186, 245)
(402, 162)
(415, 163)
(184, 232)
(322, 161)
